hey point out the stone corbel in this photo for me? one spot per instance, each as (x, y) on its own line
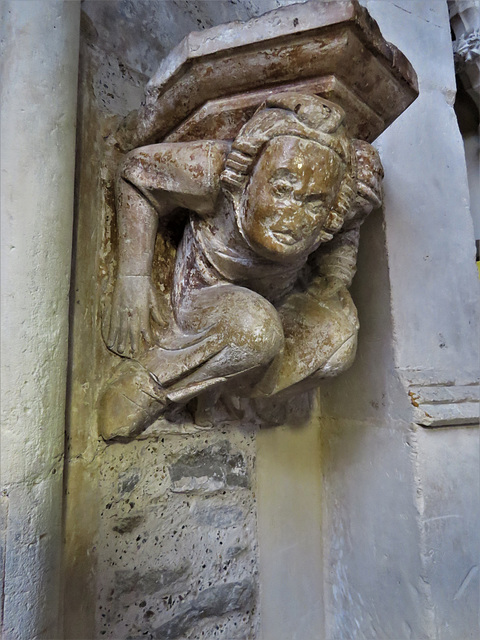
(302, 89)
(213, 81)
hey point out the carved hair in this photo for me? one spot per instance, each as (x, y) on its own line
(305, 116)
(369, 172)
(368, 183)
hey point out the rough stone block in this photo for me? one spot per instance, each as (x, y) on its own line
(208, 470)
(214, 601)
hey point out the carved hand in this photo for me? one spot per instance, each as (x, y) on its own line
(134, 301)
(332, 291)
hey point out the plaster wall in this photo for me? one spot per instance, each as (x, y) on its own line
(290, 521)
(39, 50)
(434, 326)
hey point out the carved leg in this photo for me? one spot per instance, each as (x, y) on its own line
(320, 341)
(234, 332)
(243, 333)
(131, 401)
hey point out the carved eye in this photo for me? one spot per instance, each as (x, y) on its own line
(282, 188)
(314, 203)
(315, 209)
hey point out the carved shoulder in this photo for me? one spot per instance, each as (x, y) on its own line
(187, 173)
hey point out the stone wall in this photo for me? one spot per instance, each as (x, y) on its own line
(176, 542)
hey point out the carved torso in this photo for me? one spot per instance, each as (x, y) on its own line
(225, 256)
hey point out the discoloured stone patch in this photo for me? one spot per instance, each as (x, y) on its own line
(153, 581)
(215, 601)
(128, 481)
(208, 470)
(218, 517)
(128, 524)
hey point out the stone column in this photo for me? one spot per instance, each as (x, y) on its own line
(39, 89)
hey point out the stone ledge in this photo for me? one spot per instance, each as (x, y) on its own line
(441, 405)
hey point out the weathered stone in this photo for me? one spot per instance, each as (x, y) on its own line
(214, 601)
(218, 517)
(264, 117)
(128, 524)
(262, 208)
(209, 470)
(282, 47)
(234, 552)
(152, 581)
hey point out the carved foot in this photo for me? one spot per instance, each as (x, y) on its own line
(216, 407)
(130, 403)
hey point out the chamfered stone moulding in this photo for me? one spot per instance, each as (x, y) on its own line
(241, 187)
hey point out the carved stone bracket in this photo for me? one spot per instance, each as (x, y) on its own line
(213, 81)
(466, 51)
(259, 134)
(467, 48)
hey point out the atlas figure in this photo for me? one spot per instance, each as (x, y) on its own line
(259, 302)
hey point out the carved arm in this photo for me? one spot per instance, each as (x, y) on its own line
(153, 182)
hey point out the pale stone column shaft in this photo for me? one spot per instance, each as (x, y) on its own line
(39, 42)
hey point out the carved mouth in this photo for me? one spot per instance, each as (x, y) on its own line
(285, 237)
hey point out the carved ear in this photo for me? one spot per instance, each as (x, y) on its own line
(316, 112)
(369, 172)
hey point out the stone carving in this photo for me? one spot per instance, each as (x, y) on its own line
(259, 303)
(465, 24)
(467, 47)
(252, 150)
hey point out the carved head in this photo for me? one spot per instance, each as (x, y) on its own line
(291, 175)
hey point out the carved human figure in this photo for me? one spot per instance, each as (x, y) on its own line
(260, 297)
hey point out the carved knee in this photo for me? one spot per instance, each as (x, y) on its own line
(132, 168)
(341, 359)
(256, 332)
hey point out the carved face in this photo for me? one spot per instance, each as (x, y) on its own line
(289, 197)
